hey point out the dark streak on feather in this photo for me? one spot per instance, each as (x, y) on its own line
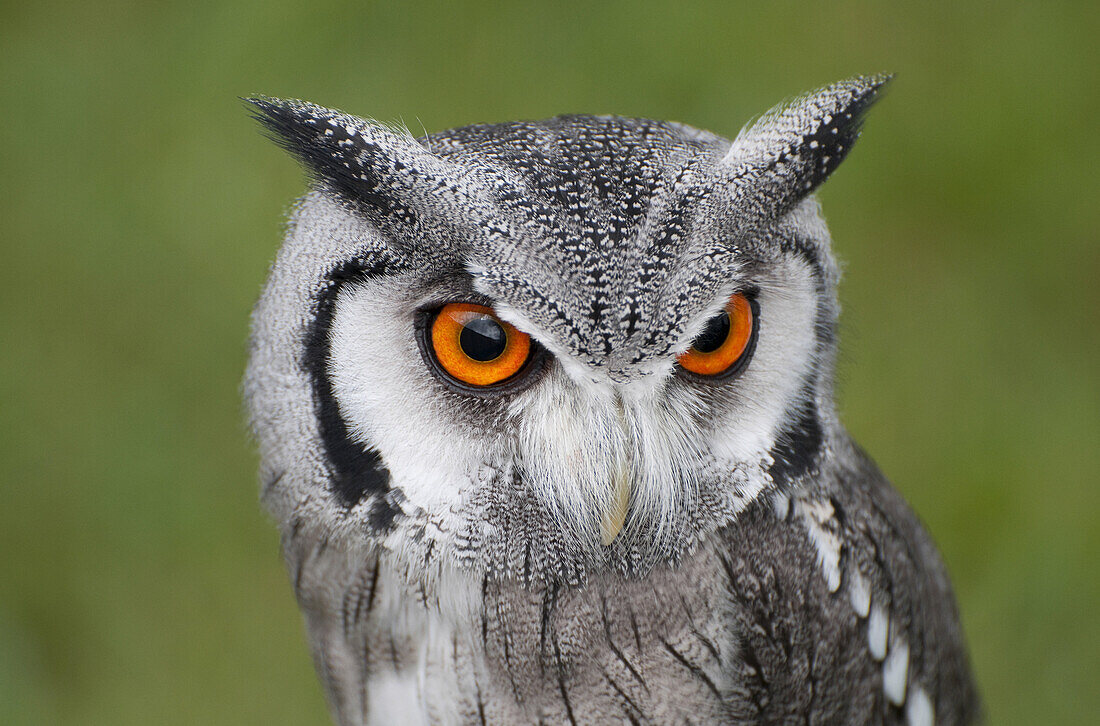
(562, 688)
(480, 706)
(615, 648)
(632, 707)
(694, 669)
(549, 602)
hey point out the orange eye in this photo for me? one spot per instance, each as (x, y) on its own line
(725, 341)
(475, 347)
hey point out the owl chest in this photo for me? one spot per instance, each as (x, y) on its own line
(655, 649)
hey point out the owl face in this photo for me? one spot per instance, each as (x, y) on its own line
(544, 349)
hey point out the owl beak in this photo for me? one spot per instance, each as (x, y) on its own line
(613, 519)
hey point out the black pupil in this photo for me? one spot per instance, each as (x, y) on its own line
(483, 339)
(716, 332)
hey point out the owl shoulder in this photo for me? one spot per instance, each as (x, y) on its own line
(841, 605)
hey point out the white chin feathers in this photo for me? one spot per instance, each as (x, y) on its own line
(607, 464)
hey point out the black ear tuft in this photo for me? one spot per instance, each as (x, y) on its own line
(361, 160)
(320, 138)
(829, 143)
(792, 149)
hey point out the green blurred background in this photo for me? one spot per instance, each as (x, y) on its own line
(139, 581)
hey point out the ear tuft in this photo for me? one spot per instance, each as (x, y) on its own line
(794, 147)
(362, 160)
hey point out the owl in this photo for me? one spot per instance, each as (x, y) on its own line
(545, 416)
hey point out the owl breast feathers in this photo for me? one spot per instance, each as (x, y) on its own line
(546, 418)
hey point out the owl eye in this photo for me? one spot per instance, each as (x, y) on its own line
(472, 346)
(726, 343)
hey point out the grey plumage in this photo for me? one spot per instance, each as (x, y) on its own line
(450, 545)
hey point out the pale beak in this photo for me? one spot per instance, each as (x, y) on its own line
(611, 523)
(613, 519)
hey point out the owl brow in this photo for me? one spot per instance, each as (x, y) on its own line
(456, 286)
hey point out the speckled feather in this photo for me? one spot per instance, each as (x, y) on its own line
(445, 548)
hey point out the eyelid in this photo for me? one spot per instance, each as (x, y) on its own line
(439, 299)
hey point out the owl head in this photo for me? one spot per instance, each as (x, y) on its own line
(542, 350)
